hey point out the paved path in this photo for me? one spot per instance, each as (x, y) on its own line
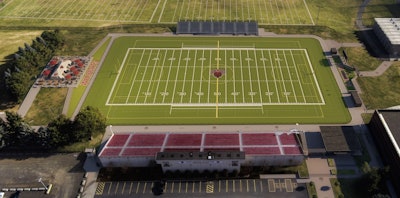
(79, 106)
(67, 100)
(378, 71)
(27, 103)
(360, 12)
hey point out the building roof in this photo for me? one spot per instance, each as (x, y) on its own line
(143, 144)
(334, 139)
(391, 28)
(391, 122)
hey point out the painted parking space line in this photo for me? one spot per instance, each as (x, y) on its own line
(288, 184)
(271, 185)
(109, 188)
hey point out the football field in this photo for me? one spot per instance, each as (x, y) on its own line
(265, 12)
(214, 80)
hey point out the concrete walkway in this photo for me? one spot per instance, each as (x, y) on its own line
(378, 71)
(67, 100)
(27, 103)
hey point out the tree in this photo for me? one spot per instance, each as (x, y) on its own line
(89, 121)
(16, 132)
(60, 132)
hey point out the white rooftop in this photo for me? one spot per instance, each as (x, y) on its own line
(391, 28)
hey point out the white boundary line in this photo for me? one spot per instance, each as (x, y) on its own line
(305, 56)
(119, 73)
(309, 14)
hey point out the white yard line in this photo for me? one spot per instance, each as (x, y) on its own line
(84, 7)
(173, 16)
(290, 77)
(233, 77)
(6, 5)
(116, 79)
(151, 81)
(274, 76)
(258, 77)
(134, 78)
(154, 12)
(91, 12)
(162, 11)
(176, 78)
(180, 13)
(266, 76)
(184, 75)
(309, 14)
(290, 12)
(142, 10)
(277, 8)
(193, 74)
(141, 81)
(250, 79)
(126, 10)
(226, 78)
(298, 77)
(169, 73)
(209, 78)
(52, 6)
(315, 78)
(282, 78)
(241, 74)
(159, 77)
(118, 11)
(187, 10)
(201, 76)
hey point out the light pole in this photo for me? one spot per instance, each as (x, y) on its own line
(40, 181)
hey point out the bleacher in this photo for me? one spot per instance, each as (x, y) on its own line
(217, 27)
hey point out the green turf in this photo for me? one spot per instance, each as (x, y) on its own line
(78, 91)
(143, 102)
(291, 12)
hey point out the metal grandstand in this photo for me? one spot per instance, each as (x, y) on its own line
(139, 144)
(217, 27)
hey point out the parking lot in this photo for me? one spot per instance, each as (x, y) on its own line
(236, 188)
(20, 172)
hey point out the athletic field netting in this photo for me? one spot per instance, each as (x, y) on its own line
(216, 80)
(215, 77)
(265, 12)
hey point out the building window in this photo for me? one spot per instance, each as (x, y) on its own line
(166, 164)
(235, 163)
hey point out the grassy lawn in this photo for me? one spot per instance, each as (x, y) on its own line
(359, 58)
(143, 107)
(382, 91)
(367, 117)
(337, 191)
(47, 105)
(9, 43)
(78, 91)
(331, 162)
(311, 190)
(381, 9)
(75, 98)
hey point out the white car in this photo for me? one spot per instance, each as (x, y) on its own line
(1, 194)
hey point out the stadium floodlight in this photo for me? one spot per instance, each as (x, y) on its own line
(40, 181)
